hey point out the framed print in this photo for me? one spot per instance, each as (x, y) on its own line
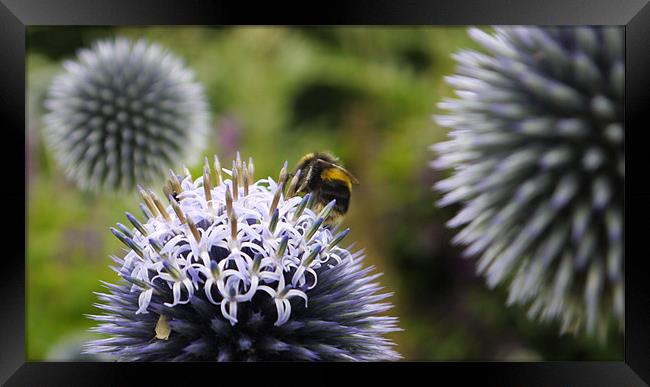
(436, 187)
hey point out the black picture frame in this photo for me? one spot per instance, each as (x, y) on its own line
(16, 15)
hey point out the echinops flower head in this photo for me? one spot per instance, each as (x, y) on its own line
(537, 156)
(122, 112)
(236, 271)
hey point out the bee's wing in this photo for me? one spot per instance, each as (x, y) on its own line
(354, 179)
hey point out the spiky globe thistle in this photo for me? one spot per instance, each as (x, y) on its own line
(538, 159)
(237, 272)
(122, 112)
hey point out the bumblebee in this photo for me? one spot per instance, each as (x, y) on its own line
(323, 176)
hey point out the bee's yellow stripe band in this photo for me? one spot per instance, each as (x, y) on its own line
(335, 174)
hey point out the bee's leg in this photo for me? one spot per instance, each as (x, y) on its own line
(302, 187)
(305, 180)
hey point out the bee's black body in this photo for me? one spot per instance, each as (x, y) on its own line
(321, 175)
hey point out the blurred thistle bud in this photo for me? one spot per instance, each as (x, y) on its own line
(538, 160)
(122, 112)
(245, 276)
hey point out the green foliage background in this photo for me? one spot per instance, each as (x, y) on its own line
(365, 93)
